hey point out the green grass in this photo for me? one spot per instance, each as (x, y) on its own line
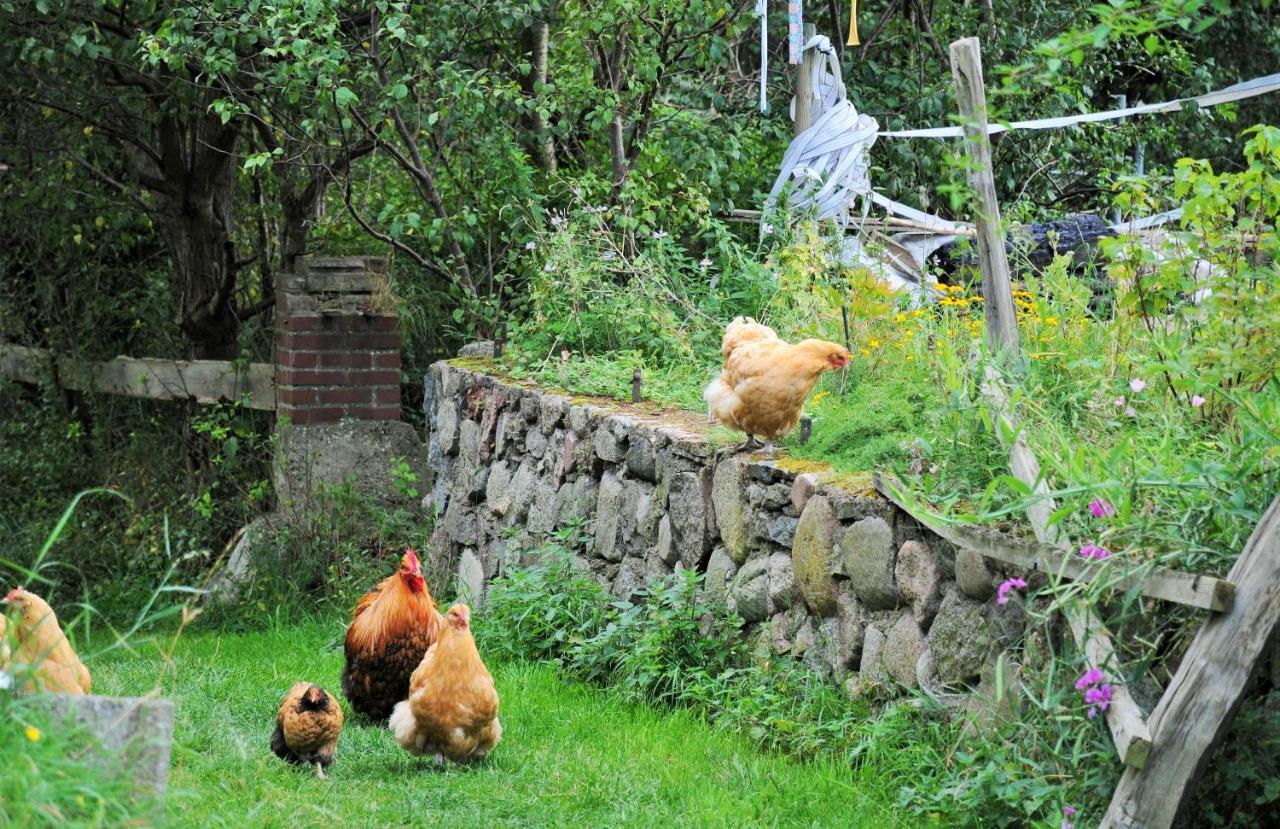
(570, 755)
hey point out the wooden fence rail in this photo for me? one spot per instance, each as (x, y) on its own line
(205, 381)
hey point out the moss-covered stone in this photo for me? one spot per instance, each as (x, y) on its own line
(813, 555)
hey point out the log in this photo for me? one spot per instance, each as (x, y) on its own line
(1197, 707)
(205, 381)
(997, 282)
(1124, 717)
(1037, 242)
(1191, 590)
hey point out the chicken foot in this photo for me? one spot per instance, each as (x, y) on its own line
(320, 771)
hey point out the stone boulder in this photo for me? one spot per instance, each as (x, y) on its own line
(782, 581)
(608, 516)
(902, 649)
(726, 496)
(749, 592)
(960, 639)
(973, 575)
(918, 579)
(720, 571)
(867, 558)
(813, 556)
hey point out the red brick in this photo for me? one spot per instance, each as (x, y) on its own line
(376, 377)
(347, 359)
(316, 415)
(292, 324)
(373, 341)
(289, 396)
(319, 341)
(386, 359)
(387, 394)
(311, 377)
(340, 395)
(385, 322)
(295, 359)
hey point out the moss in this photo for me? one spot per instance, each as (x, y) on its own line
(801, 466)
(484, 365)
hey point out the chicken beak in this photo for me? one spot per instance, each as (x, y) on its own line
(410, 562)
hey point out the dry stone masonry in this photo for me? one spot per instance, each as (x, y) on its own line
(819, 567)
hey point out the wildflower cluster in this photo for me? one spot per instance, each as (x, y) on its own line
(1097, 694)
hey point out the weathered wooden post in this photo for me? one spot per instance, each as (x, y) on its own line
(804, 84)
(1197, 707)
(1124, 717)
(636, 379)
(997, 285)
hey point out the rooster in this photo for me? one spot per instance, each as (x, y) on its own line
(452, 709)
(307, 727)
(391, 628)
(764, 383)
(40, 650)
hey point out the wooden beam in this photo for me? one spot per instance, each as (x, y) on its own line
(997, 285)
(1197, 707)
(205, 381)
(1204, 592)
(1124, 717)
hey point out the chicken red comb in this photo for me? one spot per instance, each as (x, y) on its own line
(410, 560)
(13, 594)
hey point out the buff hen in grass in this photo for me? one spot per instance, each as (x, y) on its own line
(452, 709)
(762, 388)
(308, 724)
(35, 654)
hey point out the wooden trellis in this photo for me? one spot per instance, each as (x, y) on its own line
(1162, 754)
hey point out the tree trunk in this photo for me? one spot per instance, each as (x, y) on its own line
(543, 148)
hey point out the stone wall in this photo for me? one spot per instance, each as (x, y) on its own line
(818, 565)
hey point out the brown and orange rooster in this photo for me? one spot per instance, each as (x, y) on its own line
(764, 383)
(452, 709)
(308, 724)
(41, 653)
(391, 628)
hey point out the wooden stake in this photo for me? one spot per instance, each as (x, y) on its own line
(1197, 707)
(997, 284)
(806, 429)
(635, 385)
(804, 83)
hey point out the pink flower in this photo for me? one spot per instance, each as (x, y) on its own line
(1197, 401)
(1093, 551)
(1068, 810)
(1101, 508)
(1002, 596)
(1119, 401)
(1137, 385)
(1098, 699)
(1130, 411)
(1090, 677)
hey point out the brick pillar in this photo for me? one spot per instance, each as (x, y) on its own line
(337, 342)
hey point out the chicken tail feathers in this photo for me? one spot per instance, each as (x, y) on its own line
(280, 748)
(405, 726)
(722, 401)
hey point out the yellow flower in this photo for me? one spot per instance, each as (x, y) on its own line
(865, 352)
(919, 312)
(874, 343)
(1052, 321)
(33, 733)
(910, 357)
(819, 397)
(900, 318)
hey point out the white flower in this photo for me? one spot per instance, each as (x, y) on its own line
(1119, 401)
(609, 255)
(1137, 385)
(557, 220)
(705, 263)
(1197, 401)
(550, 267)
(530, 245)
(659, 234)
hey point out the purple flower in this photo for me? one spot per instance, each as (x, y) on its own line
(704, 263)
(1090, 677)
(1119, 401)
(557, 220)
(1093, 551)
(1197, 401)
(1068, 810)
(530, 245)
(766, 228)
(659, 234)
(1130, 411)
(1137, 385)
(1003, 592)
(1101, 508)
(1098, 699)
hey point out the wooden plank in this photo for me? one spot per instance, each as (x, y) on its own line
(1204, 592)
(205, 381)
(1124, 717)
(997, 285)
(1197, 707)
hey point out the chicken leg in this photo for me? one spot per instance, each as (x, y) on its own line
(320, 771)
(750, 446)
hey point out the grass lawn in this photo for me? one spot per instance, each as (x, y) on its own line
(570, 755)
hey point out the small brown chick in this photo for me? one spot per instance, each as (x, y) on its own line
(307, 727)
